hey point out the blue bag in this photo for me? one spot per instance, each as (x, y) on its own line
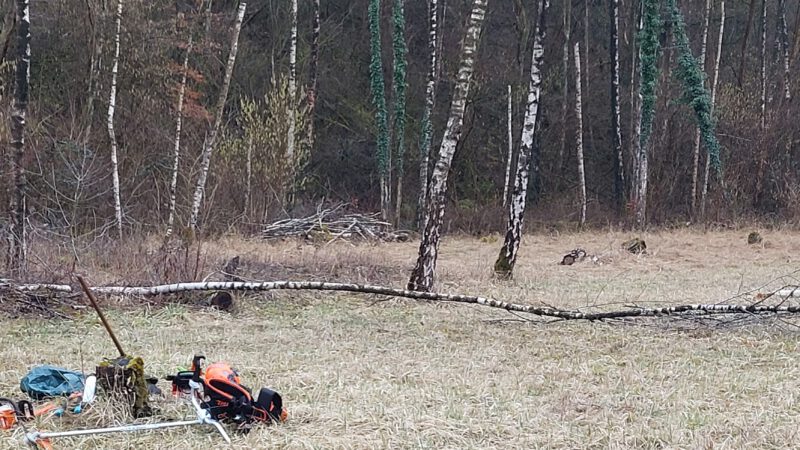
(48, 381)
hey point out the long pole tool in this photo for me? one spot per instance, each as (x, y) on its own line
(96, 307)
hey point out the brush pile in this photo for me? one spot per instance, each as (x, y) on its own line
(335, 223)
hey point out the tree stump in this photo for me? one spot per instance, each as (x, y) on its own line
(635, 246)
(754, 238)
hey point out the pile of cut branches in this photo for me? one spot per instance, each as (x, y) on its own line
(335, 223)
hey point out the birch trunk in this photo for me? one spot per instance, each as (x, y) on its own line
(427, 117)
(504, 266)
(176, 152)
(510, 150)
(784, 41)
(542, 311)
(208, 145)
(635, 99)
(567, 23)
(422, 277)
(291, 115)
(717, 59)
(696, 160)
(112, 104)
(616, 132)
(17, 245)
(311, 96)
(579, 136)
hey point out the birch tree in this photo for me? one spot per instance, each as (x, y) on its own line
(616, 131)
(696, 160)
(422, 277)
(427, 116)
(763, 73)
(208, 145)
(112, 104)
(290, 109)
(378, 87)
(399, 83)
(504, 265)
(176, 152)
(579, 136)
(17, 245)
(717, 59)
(783, 36)
(510, 156)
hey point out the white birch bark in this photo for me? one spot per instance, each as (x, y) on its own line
(291, 115)
(713, 102)
(422, 277)
(619, 164)
(784, 41)
(427, 120)
(504, 266)
(696, 160)
(510, 150)
(176, 152)
(208, 145)
(17, 242)
(112, 104)
(542, 311)
(579, 136)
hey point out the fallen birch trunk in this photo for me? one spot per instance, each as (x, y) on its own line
(542, 311)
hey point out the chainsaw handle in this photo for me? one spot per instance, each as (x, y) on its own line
(25, 410)
(197, 367)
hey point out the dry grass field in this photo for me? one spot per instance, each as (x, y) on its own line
(358, 372)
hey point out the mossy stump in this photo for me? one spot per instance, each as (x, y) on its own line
(754, 238)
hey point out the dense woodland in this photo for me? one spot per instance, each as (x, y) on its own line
(341, 150)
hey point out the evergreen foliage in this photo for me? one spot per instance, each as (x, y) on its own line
(695, 92)
(399, 79)
(378, 87)
(649, 50)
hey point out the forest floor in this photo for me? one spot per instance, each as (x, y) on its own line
(357, 372)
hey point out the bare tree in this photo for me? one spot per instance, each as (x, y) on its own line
(579, 135)
(696, 160)
(763, 72)
(616, 131)
(422, 277)
(9, 23)
(208, 145)
(567, 24)
(510, 150)
(504, 265)
(112, 104)
(290, 113)
(313, 65)
(783, 36)
(751, 11)
(176, 153)
(427, 118)
(17, 245)
(717, 59)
